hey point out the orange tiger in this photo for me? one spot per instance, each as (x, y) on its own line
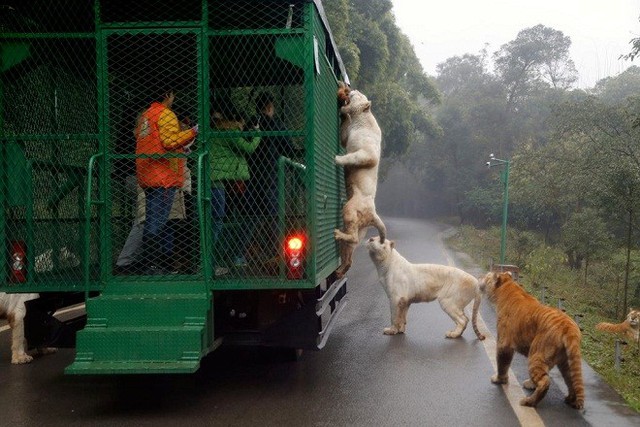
(546, 335)
(630, 327)
(343, 94)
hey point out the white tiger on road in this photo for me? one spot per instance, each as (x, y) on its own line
(406, 283)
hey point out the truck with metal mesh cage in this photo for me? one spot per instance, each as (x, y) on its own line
(224, 249)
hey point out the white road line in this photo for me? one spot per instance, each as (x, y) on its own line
(513, 390)
(66, 310)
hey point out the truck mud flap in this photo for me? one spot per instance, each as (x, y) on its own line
(329, 306)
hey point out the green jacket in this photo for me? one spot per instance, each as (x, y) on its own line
(227, 158)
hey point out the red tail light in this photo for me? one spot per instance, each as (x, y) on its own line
(18, 261)
(294, 251)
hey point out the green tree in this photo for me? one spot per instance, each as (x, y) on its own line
(382, 63)
(338, 13)
(538, 57)
(469, 117)
(635, 49)
(585, 236)
(623, 200)
(615, 90)
(612, 169)
(550, 180)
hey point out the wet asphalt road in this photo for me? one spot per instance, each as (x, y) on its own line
(361, 378)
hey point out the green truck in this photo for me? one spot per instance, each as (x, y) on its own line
(75, 78)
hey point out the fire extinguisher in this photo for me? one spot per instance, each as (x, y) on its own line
(18, 261)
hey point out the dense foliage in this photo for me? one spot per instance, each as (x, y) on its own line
(382, 64)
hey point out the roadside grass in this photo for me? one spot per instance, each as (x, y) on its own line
(544, 273)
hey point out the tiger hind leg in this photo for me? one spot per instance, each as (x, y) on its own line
(539, 377)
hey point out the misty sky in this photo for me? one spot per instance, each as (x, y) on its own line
(600, 30)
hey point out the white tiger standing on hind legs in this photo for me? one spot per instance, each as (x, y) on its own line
(360, 135)
(12, 306)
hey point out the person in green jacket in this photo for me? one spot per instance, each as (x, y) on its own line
(229, 171)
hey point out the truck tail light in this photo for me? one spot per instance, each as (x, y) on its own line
(294, 251)
(18, 261)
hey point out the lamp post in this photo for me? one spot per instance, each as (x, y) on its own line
(493, 161)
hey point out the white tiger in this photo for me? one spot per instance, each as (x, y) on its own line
(12, 306)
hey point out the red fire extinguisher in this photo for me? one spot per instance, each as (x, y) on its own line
(18, 261)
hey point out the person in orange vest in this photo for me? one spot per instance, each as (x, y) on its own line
(158, 133)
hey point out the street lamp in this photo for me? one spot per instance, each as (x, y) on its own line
(493, 161)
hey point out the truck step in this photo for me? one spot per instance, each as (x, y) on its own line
(138, 344)
(148, 310)
(133, 367)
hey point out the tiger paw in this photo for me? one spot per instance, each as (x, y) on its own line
(527, 401)
(453, 334)
(499, 380)
(391, 330)
(20, 359)
(574, 402)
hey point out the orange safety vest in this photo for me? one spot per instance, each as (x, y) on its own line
(155, 172)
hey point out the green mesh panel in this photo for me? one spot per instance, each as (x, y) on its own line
(46, 16)
(152, 12)
(82, 78)
(252, 15)
(50, 124)
(328, 178)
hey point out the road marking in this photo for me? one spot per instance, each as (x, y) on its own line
(66, 310)
(513, 390)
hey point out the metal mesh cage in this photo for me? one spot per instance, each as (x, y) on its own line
(150, 12)
(167, 141)
(49, 132)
